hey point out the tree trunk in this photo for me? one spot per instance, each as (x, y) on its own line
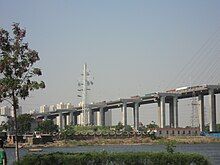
(15, 105)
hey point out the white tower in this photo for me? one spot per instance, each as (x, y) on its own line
(84, 88)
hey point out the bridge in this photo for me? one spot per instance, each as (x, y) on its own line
(172, 97)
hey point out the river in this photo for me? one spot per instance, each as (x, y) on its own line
(212, 150)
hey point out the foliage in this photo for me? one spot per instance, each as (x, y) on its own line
(47, 126)
(16, 66)
(4, 126)
(139, 158)
(170, 145)
(128, 128)
(79, 128)
(152, 125)
(68, 132)
(24, 123)
(217, 127)
(17, 70)
(119, 126)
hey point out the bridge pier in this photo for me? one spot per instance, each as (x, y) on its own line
(60, 123)
(101, 121)
(91, 117)
(75, 119)
(124, 113)
(201, 113)
(159, 114)
(175, 112)
(161, 110)
(64, 121)
(136, 115)
(171, 113)
(212, 102)
(45, 117)
(70, 121)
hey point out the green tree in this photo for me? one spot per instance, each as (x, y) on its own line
(24, 123)
(17, 70)
(128, 128)
(68, 132)
(47, 126)
(119, 126)
(170, 146)
(152, 125)
(4, 126)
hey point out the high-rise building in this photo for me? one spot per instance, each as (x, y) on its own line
(44, 109)
(33, 111)
(61, 105)
(52, 108)
(69, 106)
(5, 111)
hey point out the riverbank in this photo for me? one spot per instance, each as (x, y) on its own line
(211, 150)
(130, 141)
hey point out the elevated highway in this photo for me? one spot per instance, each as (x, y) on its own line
(161, 98)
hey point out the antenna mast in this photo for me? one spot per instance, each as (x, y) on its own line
(84, 88)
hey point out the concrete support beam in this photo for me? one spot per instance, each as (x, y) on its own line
(91, 117)
(75, 119)
(64, 121)
(102, 116)
(201, 113)
(175, 112)
(162, 112)
(171, 114)
(159, 114)
(136, 115)
(60, 121)
(45, 117)
(212, 110)
(124, 114)
(70, 118)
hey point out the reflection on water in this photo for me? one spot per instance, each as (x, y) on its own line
(210, 150)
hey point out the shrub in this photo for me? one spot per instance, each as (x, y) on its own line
(102, 158)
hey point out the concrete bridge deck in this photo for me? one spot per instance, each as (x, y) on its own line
(161, 98)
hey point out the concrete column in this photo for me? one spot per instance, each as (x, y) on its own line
(102, 116)
(75, 119)
(201, 113)
(45, 117)
(60, 121)
(159, 114)
(136, 116)
(171, 114)
(124, 114)
(212, 110)
(91, 117)
(162, 111)
(64, 121)
(175, 112)
(70, 118)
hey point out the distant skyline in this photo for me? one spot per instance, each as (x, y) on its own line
(131, 48)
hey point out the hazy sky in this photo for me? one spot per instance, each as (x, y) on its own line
(132, 47)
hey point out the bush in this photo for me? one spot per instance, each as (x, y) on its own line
(102, 158)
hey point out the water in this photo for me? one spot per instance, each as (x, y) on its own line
(212, 151)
